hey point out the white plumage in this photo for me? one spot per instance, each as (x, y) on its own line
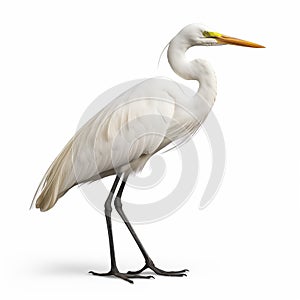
(121, 137)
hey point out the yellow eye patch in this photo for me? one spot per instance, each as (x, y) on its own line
(211, 34)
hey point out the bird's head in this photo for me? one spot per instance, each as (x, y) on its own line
(197, 35)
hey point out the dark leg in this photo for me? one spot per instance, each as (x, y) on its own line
(113, 266)
(149, 263)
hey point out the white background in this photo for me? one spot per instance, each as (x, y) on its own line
(57, 56)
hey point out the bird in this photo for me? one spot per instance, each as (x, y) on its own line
(120, 138)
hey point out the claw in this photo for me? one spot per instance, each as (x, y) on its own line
(123, 276)
(159, 271)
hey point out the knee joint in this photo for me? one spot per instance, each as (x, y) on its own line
(107, 205)
(118, 203)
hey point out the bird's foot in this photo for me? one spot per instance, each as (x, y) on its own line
(150, 265)
(124, 276)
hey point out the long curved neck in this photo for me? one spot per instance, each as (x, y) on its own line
(197, 69)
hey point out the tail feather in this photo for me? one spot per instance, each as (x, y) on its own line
(53, 183)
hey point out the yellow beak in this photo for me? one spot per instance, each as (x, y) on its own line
(224, 39)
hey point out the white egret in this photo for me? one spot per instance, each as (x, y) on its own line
(121, 137)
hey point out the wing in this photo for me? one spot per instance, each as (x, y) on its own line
(130, 127)
(119, 138)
